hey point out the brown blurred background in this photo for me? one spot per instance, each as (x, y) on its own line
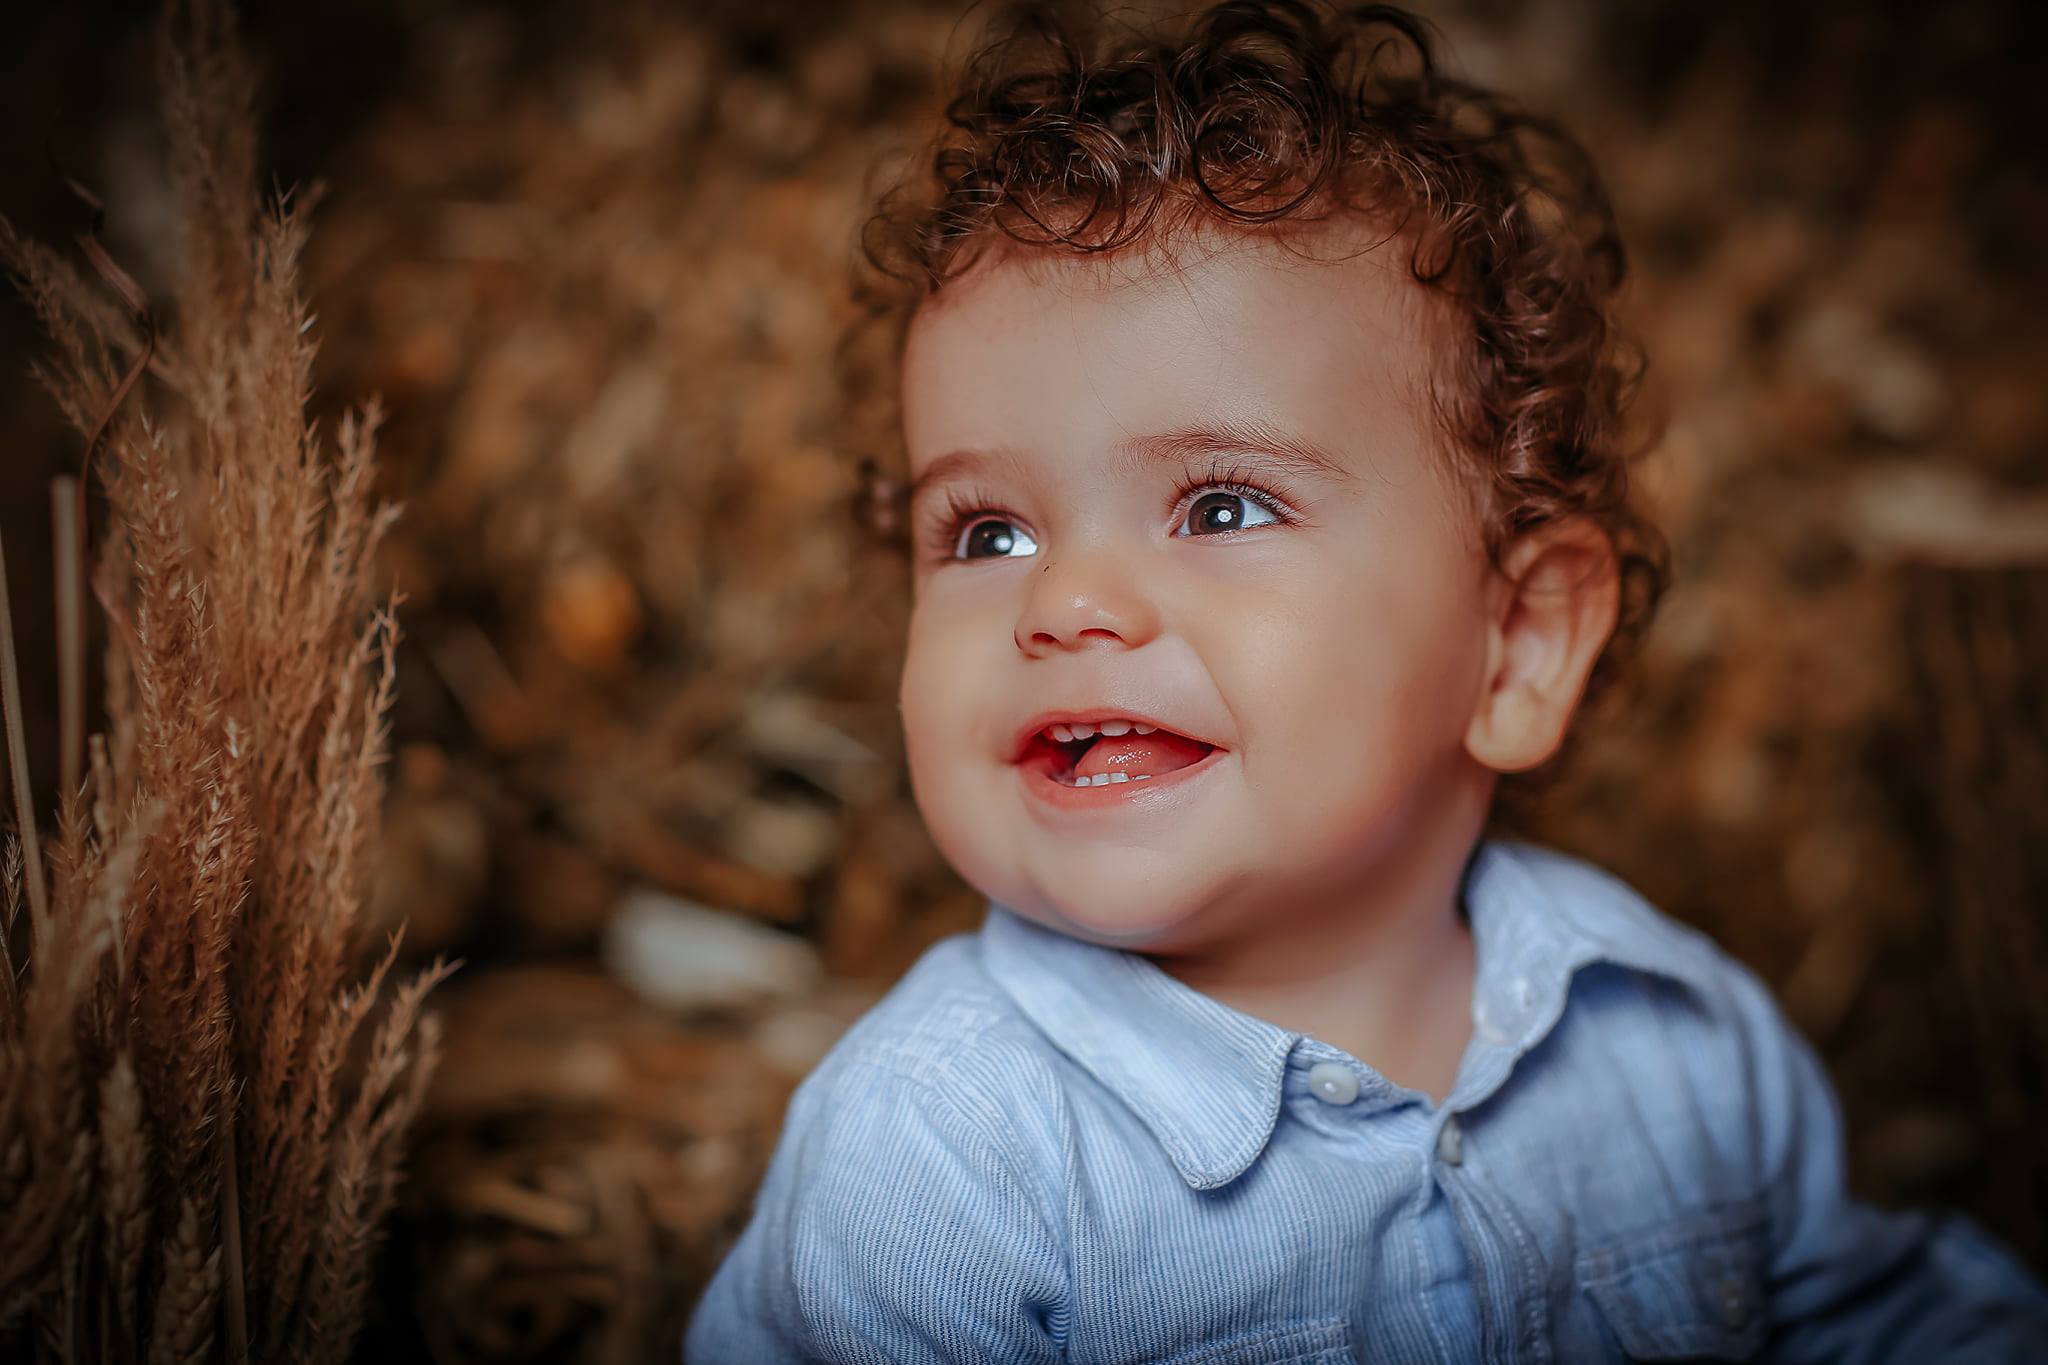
(648, 778)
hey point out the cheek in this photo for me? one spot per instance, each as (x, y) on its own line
(954, 770)
(949, 679)
(1354, 679)
(927, 693)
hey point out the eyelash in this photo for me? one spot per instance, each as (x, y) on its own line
(964, 506)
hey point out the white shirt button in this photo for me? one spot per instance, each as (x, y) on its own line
(1333, 1082)
(1450, 1142)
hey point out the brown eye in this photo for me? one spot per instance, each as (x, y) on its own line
(993, 538)
(1221, 511)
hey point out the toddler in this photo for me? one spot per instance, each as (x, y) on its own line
(1268, 506)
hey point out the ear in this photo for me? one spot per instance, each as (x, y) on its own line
(1553, 604)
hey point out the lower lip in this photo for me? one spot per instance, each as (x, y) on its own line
(1059, 795)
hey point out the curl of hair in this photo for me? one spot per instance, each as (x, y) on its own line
(1068, 131)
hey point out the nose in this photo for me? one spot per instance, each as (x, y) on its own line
(1081, 598)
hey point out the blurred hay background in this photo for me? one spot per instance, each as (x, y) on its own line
(649, 779)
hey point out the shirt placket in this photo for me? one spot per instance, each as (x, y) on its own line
(1506, 1267)
(1517, 999)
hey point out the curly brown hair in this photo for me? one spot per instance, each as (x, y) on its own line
(1070, 131)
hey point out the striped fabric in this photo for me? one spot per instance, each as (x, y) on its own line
(1039, 1149)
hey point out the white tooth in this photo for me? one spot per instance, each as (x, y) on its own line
(1116, 727)
(1063, 734)
(1102, 779)
(1144, 729)
(1119, 777)
(1082, 731)
(1142, 777)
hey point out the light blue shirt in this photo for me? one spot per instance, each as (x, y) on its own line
(1038, 1149)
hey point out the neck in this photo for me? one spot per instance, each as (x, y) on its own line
(1381, 966)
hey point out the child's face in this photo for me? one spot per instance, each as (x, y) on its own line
(1331, 647)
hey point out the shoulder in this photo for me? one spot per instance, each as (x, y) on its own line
(946, 1022)
(1619, 923)
(945, 1056)
(904, 1215)
(1696, 1032)
(1625, 923)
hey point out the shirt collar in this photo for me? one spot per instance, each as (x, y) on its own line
(1207, 1079)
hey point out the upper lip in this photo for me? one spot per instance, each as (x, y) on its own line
(1091, 715)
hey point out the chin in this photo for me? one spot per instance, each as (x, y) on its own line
(1120, 909)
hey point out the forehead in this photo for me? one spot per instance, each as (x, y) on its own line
(1323, 335)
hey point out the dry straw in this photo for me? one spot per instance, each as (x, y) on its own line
(202, 1106)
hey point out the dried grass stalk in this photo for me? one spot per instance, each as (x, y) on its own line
(202, 1107)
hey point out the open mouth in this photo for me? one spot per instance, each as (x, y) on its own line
(1110, 752)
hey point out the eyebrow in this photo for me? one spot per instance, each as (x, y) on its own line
(1264, 443)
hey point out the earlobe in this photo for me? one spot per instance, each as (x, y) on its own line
(1556, 602)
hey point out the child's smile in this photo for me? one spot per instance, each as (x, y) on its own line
(1071, 753)
(1209, 496)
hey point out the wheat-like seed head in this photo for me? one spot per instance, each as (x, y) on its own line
(191, 1152)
